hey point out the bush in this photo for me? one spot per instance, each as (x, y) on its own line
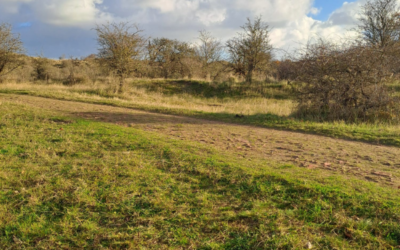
(232, 80)
(345, 82)
(284, 70)
(42, 67)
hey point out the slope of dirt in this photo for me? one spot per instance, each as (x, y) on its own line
(365, 161)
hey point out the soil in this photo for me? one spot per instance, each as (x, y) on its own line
(365, 161)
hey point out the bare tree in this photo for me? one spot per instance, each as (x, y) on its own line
(380, 22)
(120, 48)
(11, 49)
(210, 51)
(169, 56)
(251, 50)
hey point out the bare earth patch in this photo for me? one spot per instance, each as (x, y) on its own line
(361, 160)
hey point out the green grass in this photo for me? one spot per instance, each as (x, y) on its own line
(74, 184)
(202, 89)
(376, 133)
(395, 87)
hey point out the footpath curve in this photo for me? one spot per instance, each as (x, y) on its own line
(349, 158)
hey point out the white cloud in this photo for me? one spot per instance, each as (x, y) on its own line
(291, 20)
(299, 32)
(60, 12)
(163, 5)
(315, 11)
(276, 10)
(347, 14)
(69, 12)
(212, 16)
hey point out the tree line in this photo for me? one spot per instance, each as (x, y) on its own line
(125, 51)
(330, 81)
(122, 47)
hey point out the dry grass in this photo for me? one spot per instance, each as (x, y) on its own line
(269, 106)
(136, 94)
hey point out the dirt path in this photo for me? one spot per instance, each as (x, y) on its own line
(365, 161)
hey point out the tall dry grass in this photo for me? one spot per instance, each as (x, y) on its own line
(135, 94)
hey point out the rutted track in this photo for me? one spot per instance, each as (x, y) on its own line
(365, 161)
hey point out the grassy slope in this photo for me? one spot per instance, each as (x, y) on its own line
(374, 133)
(69, 183)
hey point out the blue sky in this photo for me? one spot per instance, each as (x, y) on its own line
(65, 27)
(327, 7)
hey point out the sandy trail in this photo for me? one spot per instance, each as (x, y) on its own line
(365, 161)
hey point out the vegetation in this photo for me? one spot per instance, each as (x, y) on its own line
(83, 176)
(42, 69)
(120, 46)
(70, 183)
(349, 80)
(329, 81)
(211, 54)
(251, 50)
(10, 49)
(270, 106)
(379, 23)
(171, 58)
(341, 82)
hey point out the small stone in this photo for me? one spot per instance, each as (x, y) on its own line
(309, 245)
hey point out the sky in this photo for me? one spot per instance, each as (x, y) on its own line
(53, 28)
(326, 7)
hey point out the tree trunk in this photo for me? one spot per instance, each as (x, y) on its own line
(121, 85)
(166, 74)
(249, 76)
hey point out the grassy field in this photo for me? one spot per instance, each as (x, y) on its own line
(70, 183)
(182, 96)
(266, 105)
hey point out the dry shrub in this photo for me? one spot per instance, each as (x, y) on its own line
(73, 68)
(283, 69)
(232, 80)
(345, 82)
(42, 68)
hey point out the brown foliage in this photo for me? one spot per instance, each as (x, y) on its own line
(42, 68)
(284, 69)
(345, 82)
(171, 58)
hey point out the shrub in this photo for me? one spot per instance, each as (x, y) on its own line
(345, 82)
(42, 67)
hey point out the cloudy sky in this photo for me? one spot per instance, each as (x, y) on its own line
(64, 27)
